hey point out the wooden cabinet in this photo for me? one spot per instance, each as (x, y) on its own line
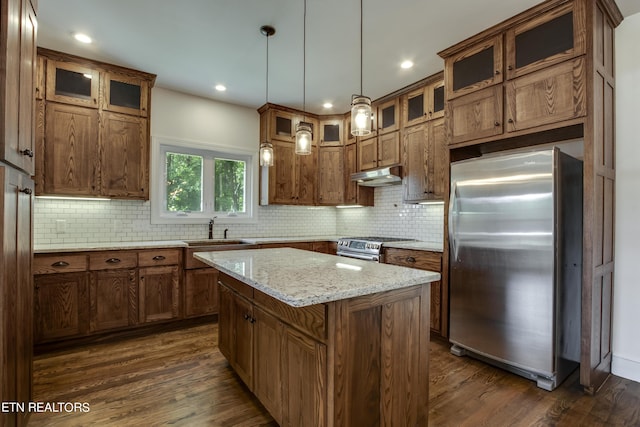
(560, 80)
(282, 124)
(388, 116)
(304, 373)
(551, 95)
(72, 83)
(113, 299)
(331, 130)
(380, 151)
(126, 94)
(124, 157)
(292, 178)
(268, 349)
(422, 104)
(348, 362)
(331, 177)
(200, 292)
(546, 39)
(474, 68)
(70, 156)
(95, 135)
(424, 162)
(16, 290)
(542, 83)
(355, 194)
(475, 116)
(84, 293)
(425, 260)
(159, 293)
(18, 31)
(61, 306)
(236, 342)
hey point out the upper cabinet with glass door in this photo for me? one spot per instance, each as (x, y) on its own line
(545, 40)
(424, 103)
(388, 116)
(72, 83)
(125, 94)
(474, 68)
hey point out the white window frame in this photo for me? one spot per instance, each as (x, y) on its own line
(160, 145)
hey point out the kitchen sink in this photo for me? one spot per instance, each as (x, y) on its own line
(214, 242)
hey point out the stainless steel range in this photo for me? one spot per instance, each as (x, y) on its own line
(366, 248)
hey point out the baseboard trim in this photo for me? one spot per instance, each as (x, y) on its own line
(625, 368)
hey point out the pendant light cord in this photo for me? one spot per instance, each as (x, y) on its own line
(361, 92)
(304, 62)
(266, 96)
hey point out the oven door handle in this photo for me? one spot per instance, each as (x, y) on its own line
(358, 256)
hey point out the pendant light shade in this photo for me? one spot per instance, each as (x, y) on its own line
(266, 148)
(303, 138)
(266, 154)
(360, 104)
(360, 115)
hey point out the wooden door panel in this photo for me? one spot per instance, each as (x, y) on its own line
(71, 150)
(201, 292)
(113, 297)
(475, 116)
(158, 294)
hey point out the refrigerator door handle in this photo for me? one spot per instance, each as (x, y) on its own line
(453, 212)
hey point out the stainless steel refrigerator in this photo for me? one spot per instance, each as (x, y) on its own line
(515, 236)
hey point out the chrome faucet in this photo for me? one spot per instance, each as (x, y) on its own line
(211, 227)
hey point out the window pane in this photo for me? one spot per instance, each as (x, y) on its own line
(229, 185)
(184, 182)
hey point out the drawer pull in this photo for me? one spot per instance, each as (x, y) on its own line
(113, 261)
(60, 264)
(159, 258)
(411, 259)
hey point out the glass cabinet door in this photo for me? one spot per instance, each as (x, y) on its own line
(388, 116)
(124, 94)
(546, 40)
(474, 68)
(331, 132)
(72, 84)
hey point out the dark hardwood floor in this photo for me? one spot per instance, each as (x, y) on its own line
(179, 378)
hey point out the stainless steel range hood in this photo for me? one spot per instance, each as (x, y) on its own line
(379, 177)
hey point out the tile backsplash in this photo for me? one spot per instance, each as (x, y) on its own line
(58, 221)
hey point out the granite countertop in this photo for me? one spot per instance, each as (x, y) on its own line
(301, 278)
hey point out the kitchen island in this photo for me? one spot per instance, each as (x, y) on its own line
(323, 340)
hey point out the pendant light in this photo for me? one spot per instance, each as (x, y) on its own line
(303, 129)
(266, 148)
(360, 104)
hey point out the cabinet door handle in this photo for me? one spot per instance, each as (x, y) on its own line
(497, 72)
(252, 320)
(27, 191)
(510, 67)
(60, 264)
(410, 259)
(27, 152)
(159, 258)
(496, 124)
(510, 120)
(113, 261)
(246, 316)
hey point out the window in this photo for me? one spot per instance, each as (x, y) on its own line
(194, 184)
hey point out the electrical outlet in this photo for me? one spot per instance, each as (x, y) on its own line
(61, 226)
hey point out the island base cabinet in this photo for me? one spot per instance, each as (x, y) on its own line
(360, 361)
(304, 373)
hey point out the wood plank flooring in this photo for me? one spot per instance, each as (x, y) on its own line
(180, 378)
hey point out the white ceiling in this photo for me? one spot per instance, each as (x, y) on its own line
(192, 45)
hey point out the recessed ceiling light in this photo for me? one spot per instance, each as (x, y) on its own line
(327, 105)
(221, 88)
(82, 38)
(406, 64)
